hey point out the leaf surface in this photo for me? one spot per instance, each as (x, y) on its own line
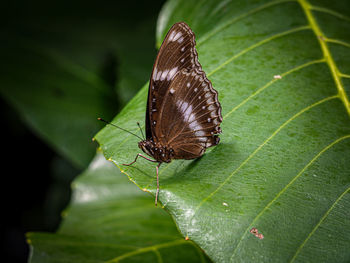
(282, 70)
(110, 220)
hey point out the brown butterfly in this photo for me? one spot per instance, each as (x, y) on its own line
(183, 113)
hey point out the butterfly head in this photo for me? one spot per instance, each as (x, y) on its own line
(157, 151)
(147, 147)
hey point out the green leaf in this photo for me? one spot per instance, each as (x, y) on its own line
(64, 65)
(110, 220)
(282, 71)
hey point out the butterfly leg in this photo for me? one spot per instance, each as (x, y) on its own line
(137, 156)
(157, 192)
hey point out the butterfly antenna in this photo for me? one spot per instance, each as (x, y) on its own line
(100, 119)
(138, 124)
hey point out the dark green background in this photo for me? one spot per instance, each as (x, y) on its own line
(49, 42)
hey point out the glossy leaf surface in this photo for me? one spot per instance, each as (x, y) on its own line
(282, 70)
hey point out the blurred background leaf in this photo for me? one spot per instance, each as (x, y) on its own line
(63, 64)
(111, 220)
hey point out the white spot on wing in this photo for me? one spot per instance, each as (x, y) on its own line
(171, 73)
(164, 74)
(158, 75)
(177, 36)
(199, 133)
(192, 117)
(188, 115)
(211, 107)
(155, 73)
(172, 35)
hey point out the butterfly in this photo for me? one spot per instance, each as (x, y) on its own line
(183, 114)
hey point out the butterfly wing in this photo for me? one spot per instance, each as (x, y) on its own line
(176, 53)
(190, 116)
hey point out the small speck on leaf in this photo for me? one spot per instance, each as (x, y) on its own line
(256, 233)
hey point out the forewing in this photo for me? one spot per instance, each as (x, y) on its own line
(176, 53)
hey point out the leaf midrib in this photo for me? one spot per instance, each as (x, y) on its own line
(326, 52)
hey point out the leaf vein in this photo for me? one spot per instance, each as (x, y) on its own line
(321, 221)
(147, 249)
(342, 75)
(258, 44)
(158, 255)
(273, 81)
(258, 148)
(330, 12)
(239, 17)
(287, 186)
(326, 52)
(337, 41)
